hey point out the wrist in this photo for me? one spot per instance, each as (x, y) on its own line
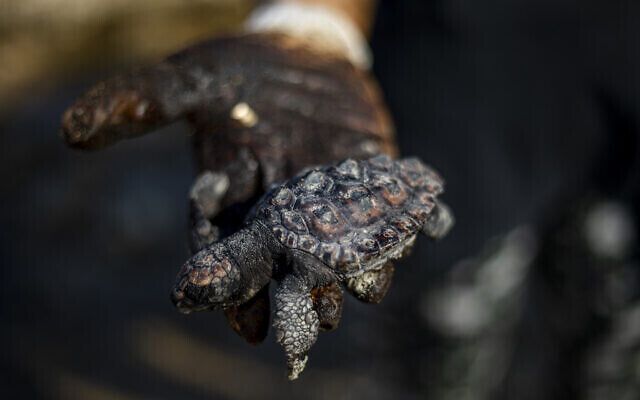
(323, 28)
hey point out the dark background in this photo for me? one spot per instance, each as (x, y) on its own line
(530, 111)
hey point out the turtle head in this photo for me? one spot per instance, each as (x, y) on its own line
(208, 280)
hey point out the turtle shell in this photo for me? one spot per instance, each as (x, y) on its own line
(353, 216)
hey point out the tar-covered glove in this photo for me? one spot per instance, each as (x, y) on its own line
(263, 106)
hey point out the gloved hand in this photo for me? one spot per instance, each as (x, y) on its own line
(263, 106)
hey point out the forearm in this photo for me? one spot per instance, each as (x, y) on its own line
(360, 12)
(329, 26)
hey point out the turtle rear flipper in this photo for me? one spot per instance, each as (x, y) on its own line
(327, 301)
(439, 222)
(371, 286)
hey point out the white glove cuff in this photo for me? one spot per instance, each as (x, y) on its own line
(324, 28)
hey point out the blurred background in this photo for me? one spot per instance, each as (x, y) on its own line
(528, 108)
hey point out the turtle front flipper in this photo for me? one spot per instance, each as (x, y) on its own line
(251, 319)
(371, 286)
(296, 322)
(439, 222)
(205, 199)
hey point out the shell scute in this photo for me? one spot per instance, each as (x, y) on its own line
(308, 243)
(283, 197)
(381, 162)
(272, 216)
(350, 169)
(418, 175)
(405, 225)
(293, 221)
(323, 219)
(419, 213)
(426, 200)
(392, 189)
(367, 246)
(387, 237)
(361, 205)
(316, 182)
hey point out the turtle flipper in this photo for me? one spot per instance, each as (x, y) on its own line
(296, 322)
(371, 286)
(251, 319)
(327, 301)
(204, 203)
(439, 222)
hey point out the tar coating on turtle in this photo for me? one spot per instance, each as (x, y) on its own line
(336, 224)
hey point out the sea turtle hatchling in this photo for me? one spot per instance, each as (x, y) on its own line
(328, 225)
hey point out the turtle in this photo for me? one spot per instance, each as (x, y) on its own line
(260, 107)
(334, 226)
